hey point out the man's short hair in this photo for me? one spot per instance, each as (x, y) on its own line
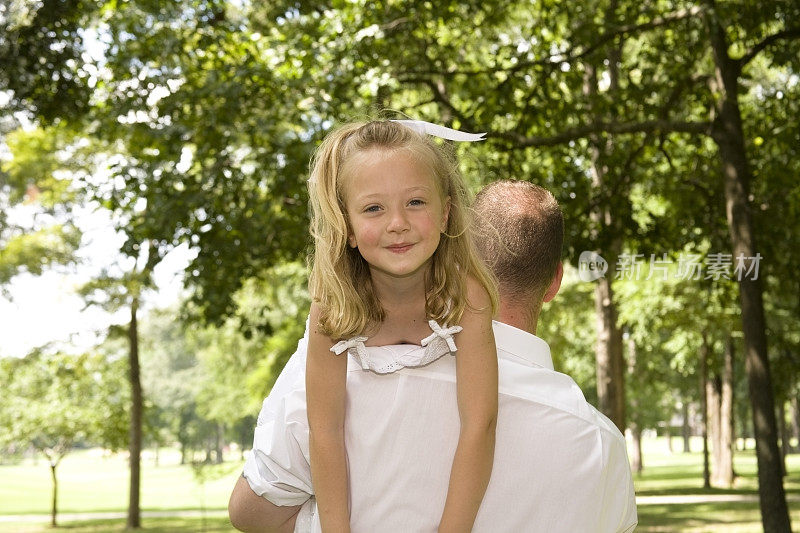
(520, 231)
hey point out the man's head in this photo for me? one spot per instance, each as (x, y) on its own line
(520, 234)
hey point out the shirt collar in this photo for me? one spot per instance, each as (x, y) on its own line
(513, 343)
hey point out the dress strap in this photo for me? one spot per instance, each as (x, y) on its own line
(444, 333)
(355, 347)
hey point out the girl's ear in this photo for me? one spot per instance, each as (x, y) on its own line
(351, 238)
(445, 213)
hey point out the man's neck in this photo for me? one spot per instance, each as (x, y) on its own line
(521, 317)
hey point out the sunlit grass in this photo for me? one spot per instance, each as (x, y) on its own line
(681, 474)
(89, 480)
(150, 525)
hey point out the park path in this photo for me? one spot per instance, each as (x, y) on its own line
(704, 498)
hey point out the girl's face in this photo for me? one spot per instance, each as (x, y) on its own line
(395, 210)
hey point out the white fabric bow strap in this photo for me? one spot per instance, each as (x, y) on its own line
(420, 126)
(445, 334)
(357, 344)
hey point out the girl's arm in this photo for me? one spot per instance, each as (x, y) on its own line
(476, 385)
(325, 396)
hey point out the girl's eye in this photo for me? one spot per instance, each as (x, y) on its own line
(416, 201)
(371, 209)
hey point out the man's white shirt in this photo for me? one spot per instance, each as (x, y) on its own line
(559, 464)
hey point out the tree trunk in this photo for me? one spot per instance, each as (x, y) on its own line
(687, 430)
(618, 366)
(243, 441)
(782, 430)
(796, 422)
(704, 407)
(714, 399)
(610, 380)
(608, 349)
(636, 430)
(669, 438)
(54, 506)
(218, 445)
(135, 446)
(728, 135)
(636, 453)
(725, 472)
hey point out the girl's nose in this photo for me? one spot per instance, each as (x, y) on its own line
(398, 222)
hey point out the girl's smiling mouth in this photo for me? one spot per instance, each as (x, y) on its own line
(399, 248)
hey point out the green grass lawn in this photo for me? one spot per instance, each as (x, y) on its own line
(90, 481)
(681, 474)
(150, 525)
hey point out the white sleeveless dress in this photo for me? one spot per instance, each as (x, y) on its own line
(378, 359)
(386, 359)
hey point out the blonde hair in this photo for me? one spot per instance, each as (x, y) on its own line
(340, 279)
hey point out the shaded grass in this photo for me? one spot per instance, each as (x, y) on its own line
(739, 517)
(151, 525)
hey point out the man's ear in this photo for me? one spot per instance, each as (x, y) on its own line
(555, 285)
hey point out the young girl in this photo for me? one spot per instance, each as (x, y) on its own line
(394, 264)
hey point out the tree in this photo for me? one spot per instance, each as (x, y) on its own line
(194, 375)
(43, 233)
(775, 195)
(45, 78)
(216, 142)
(44, 72)
(170, 374)
(199, 165)
(54, 400)
(114, 293)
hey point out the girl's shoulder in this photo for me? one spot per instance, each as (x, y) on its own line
(477, 295)
(313, 317)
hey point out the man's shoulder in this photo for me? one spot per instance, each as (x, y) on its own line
(526, 371)
(543, 386)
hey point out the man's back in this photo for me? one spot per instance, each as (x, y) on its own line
(559, 463)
